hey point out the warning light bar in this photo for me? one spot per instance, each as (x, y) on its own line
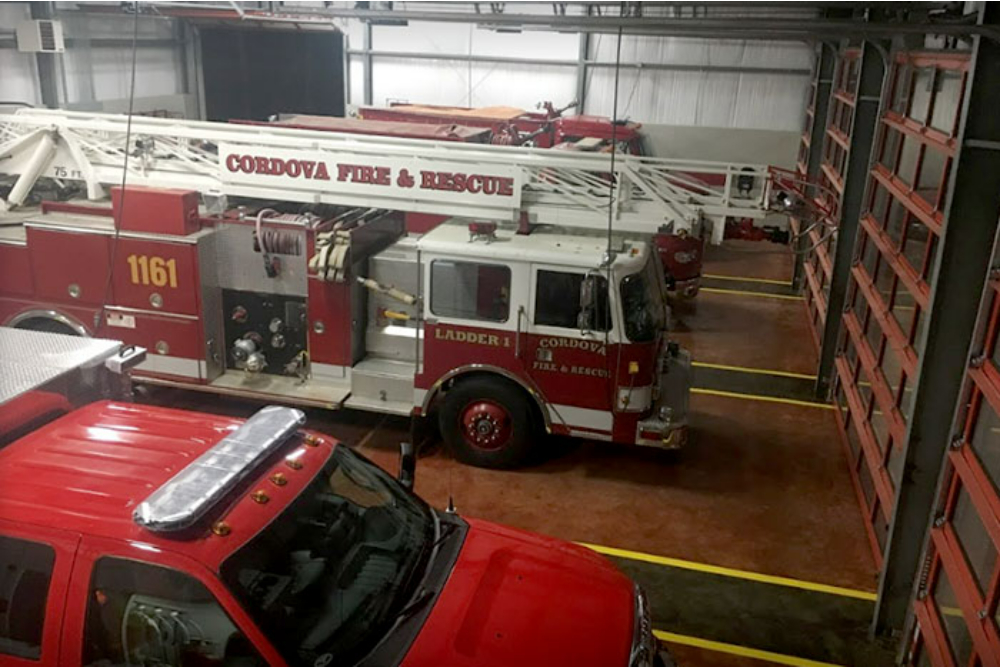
(186, 497)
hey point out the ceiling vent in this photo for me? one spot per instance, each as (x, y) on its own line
(41, 36)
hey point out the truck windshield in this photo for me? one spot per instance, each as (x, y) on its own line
(643, 305)
(326, 579)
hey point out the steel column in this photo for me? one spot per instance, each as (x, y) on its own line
(581, 73)
(367, 73)
(970, 224)
(826, 61)
(872, 75)
(516, 60)
(745, 27)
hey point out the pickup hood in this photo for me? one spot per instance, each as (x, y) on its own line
(516, 598)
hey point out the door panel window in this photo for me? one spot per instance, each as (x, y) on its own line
(140, 615)
(470, 290)
(25, 574)
(557, 300)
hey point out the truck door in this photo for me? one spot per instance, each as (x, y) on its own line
(472, 316)
(569, 329)
(35, 565)
(134, 604)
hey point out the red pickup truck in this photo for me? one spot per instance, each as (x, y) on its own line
(138, 535)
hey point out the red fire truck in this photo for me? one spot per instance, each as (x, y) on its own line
(403, 129)
(138, 535)
(295, 281)
(513, 126)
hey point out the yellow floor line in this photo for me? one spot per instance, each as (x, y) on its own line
(738, 650)
(751, 293)
(723, 277)
(749, 369)
(761, 397)
(731, 572)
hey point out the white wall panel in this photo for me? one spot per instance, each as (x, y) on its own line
(459, 38)
(356, 93)
(703, 98)
(18, 77)
(103, 73)
(18, 71)
(432, 82)
(451, 82)
(458, 83)
(156, 72)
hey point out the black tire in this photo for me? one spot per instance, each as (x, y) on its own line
(477, 400)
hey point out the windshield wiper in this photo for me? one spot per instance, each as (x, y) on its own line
(418, 602)
(444, 530)
(447, 528)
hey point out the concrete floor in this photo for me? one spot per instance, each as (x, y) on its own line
(763, 487)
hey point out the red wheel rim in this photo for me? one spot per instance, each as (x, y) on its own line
(485, 425)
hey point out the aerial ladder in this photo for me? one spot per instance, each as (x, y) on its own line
(519, 185)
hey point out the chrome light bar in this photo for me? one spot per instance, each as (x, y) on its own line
(186, 497)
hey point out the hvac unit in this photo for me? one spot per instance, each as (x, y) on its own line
(40, 36)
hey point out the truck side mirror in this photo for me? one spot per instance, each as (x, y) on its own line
(407, 465)
(588, 298)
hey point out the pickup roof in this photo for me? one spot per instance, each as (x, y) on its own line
(128, 536)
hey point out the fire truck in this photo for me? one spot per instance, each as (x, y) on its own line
(408, 130)
(272, 263)
(134, 535)
(513, 126)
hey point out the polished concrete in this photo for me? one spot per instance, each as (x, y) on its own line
(763, 486)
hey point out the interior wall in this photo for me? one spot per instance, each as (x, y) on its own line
(94, 72)
(18, 71)
(707, 97)
(465, 84)
(772, 147)
(692, 82)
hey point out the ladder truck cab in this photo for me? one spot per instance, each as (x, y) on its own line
(273, 264)
(547, 328)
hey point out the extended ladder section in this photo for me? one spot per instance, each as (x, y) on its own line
(503, 183)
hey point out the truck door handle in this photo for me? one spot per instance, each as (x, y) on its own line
(517, 334)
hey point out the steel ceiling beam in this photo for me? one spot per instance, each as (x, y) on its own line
(769, 27)
(513, 60)
(719, 27)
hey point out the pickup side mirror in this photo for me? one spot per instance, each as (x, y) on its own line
(588, 303)
(407, 465)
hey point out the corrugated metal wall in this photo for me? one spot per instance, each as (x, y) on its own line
(688, 96)
(18, 71)
(93, 72)
(705, 98)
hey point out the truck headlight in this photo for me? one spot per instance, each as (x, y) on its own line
(684, 257)
(643, 650)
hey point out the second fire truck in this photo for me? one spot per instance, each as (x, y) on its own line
(272, 264)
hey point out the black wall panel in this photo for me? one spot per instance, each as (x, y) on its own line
(253, 73)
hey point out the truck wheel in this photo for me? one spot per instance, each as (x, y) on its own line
(487, 423)
(46, 325)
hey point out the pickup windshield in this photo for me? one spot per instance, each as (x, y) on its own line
(326, 579)
(643, 304)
